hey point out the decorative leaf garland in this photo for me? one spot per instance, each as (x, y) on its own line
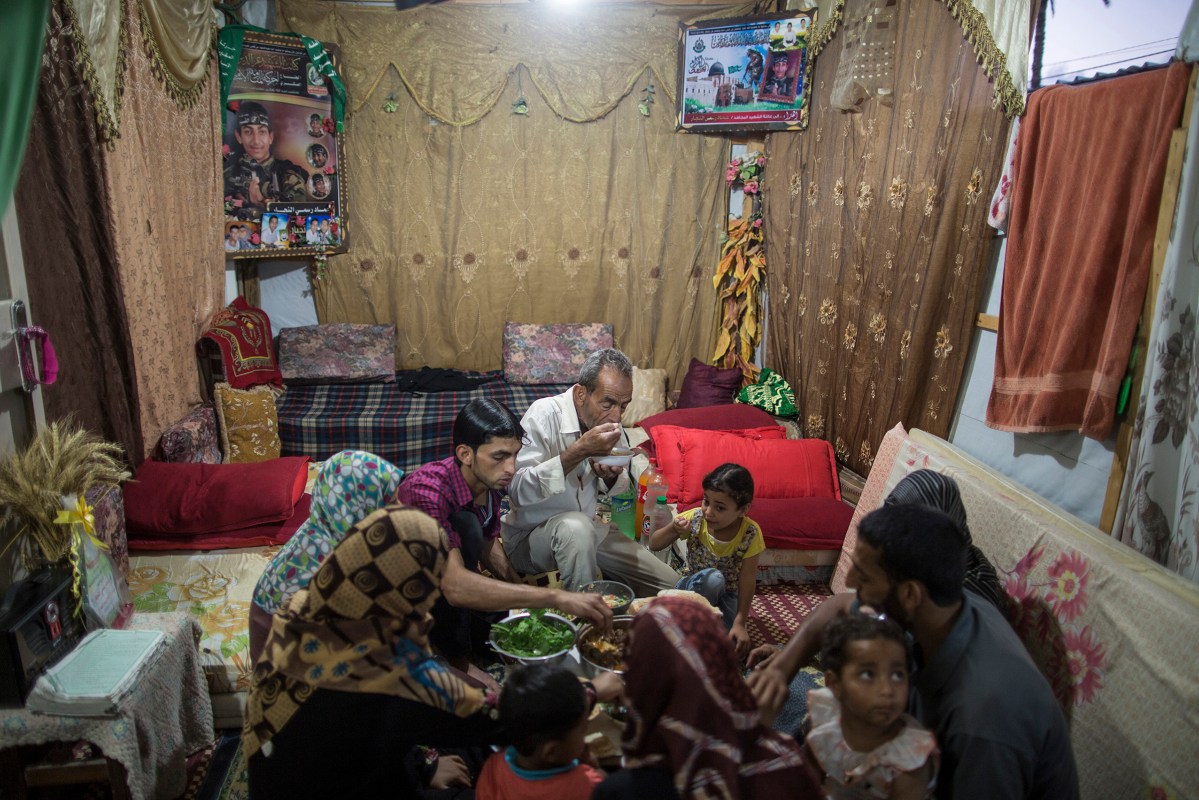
(740, 273)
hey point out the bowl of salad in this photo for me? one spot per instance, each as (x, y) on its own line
(536, 636)
(616, 595)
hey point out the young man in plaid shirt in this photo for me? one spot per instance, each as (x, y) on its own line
(463, 493)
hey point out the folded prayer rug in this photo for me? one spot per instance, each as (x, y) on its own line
(243, 335)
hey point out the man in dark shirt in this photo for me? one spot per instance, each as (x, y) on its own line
(1001, 732)
(462, 493)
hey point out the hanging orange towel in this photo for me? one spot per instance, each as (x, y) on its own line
(1090, 163)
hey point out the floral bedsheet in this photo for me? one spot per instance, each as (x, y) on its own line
(213, 588)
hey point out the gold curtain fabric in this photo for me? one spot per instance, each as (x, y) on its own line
(101, 41)
(456, 229)
(877, 240)
(457, 60)
(178, 36)
(165, 191)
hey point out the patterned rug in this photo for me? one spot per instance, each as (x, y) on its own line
(226, 776)
(779, 608)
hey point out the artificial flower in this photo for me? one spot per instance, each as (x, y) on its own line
(328, 124)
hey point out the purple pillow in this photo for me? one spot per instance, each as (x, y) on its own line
(705, 385)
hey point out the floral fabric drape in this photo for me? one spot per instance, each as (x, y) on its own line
(68, 247)
(456, 229)
(877, 239)
(166, 210)
(1157, 513)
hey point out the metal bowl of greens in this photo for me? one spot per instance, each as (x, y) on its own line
(533, 637)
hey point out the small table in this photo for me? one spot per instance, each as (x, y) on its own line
(166, 717)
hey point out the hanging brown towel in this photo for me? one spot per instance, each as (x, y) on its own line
(1090, 163)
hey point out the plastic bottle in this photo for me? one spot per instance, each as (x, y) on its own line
(658, 516)
(623, 512)
(649, 478)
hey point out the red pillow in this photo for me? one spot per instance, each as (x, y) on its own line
(800, 523)
(668, 456)
(780, 467)
(187, 499)
(266, 534)
(726, 417)
(705, 385)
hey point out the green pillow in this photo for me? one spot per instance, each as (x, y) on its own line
(771, 393)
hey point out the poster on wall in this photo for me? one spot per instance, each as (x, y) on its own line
(746, 74)
(285, 185)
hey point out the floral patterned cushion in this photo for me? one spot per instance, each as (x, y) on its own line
(537, 354)
(339, 352)
(649, 396)
(249, 423)
(191, 440)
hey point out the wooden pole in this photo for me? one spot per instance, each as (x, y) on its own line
(1165, 219)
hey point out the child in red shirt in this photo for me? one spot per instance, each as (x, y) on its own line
(545, 709)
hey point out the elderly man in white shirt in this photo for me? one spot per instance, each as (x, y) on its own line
(553, 496)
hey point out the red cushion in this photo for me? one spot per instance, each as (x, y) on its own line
(800, 523)
(780, 467)
(262, 535)
(669, 456)
(706, 385)
(711, 418)
(729, 416)
(187, 499)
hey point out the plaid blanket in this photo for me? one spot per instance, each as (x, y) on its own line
(407, 428)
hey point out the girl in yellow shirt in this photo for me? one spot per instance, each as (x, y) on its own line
(723, 546)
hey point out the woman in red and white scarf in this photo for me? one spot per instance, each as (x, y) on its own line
(694, 730)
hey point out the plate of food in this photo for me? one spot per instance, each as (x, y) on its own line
(599, 653)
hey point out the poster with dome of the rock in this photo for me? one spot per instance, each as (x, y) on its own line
(745, 74)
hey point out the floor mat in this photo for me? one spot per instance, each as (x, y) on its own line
(778, 610)
(226, 775)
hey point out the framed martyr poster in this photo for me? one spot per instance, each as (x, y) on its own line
(746, 74)
(283, 151)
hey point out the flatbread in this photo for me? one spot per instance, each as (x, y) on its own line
(641, 602)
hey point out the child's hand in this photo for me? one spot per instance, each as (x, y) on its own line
(681, 524)
(740, 637)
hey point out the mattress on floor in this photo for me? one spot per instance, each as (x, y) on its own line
(216, 588)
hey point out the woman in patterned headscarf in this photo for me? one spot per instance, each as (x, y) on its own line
(349, 486)
(694, 730)
(928, 488)
(346, 685)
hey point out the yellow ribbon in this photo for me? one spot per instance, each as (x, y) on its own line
(82, 514)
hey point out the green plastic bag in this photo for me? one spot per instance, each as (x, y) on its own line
(771, 393)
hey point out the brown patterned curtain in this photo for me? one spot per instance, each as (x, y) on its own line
(69, 250)
(877, 238)
(165, 187)
(465, 214)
